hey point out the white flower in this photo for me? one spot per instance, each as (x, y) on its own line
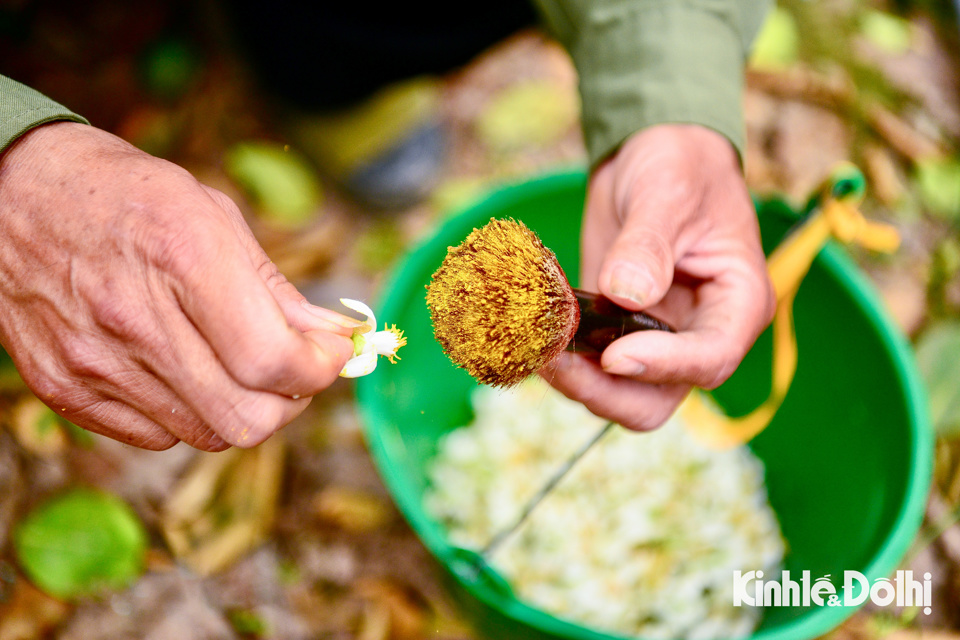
(368, 343)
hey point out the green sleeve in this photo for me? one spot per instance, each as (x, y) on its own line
(22, 108)
(646, 62)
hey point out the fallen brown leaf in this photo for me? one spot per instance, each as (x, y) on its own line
(36, 427)
(30, 613)
(351, 509)
(407, 615)
(374, 622)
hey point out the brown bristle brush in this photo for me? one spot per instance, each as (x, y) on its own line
(503, 309)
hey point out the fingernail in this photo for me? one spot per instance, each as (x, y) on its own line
(331, 316)
(625, 366)
(631, 283)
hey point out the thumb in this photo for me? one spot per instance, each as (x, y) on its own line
(334, 352)
(637, 270)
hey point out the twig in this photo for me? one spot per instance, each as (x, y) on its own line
(943, 518)
(544, 491)
(901, 136)
(839, 95)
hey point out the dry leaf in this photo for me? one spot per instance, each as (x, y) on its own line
(37, 427)
(922, 634)
(350, 509)
(407, 616)
(375, 622)
(29, 613)
(886, 184)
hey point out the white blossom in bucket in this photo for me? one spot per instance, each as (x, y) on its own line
(368, 343)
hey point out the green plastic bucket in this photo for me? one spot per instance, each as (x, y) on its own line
(848, 457)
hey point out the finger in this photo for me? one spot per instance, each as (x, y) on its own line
(115, 420)
(256, 417)
(302, 315)
(638, 267)
(93, 367)
(329, 321)
(677, 307)
(706, 353)
(118, 398)
(627, 402)
(144, 392)
(241, 416)
(600, 226)
(238, 316)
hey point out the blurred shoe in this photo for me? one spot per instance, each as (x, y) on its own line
(386, 152)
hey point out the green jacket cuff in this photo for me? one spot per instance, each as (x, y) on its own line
(22, 108)
(647, 62)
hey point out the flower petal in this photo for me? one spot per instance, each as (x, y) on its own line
(361, 308)
(387, 342)
(359, 365)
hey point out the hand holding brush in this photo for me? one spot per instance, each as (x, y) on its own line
(669, 227)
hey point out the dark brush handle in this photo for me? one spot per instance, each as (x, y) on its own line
(602, 321)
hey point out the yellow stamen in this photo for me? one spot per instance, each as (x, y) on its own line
(401, 342)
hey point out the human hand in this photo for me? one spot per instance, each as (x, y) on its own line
(136, 302)
(669, 228)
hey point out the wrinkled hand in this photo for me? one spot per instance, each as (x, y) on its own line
(669, 227)
(136, 303)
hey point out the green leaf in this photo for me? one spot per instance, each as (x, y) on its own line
(948, 255)
(247, 622)
(776, 46)
(80, 436)
(379, 245)
(938, 180)
(937, 358)
(169, 68)
(452, 195)
(47, 421)
(279, 179)
(529, 114)
(888, 32)
(288, 572)
(81, 543)
(9, 377)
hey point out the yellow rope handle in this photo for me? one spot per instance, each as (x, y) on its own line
(837, 217)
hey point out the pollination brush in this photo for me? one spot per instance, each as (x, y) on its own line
(502, 307)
